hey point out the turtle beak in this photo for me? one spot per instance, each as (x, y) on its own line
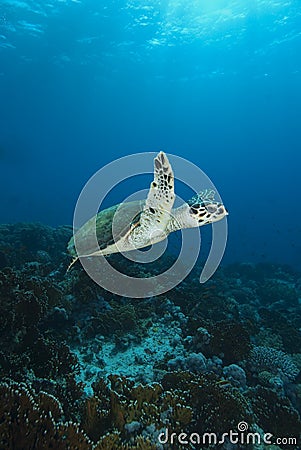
(222, 210)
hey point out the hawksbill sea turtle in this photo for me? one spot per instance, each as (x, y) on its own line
(140, 223)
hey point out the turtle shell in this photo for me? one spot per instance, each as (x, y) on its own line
(111, 224)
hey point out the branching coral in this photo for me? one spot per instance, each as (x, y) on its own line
(28, 421)
(275, 414)
(275, 361)
(183, 402)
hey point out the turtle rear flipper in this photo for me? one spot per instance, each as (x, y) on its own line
(72, 263)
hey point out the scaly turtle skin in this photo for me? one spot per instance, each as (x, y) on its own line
(132, 225)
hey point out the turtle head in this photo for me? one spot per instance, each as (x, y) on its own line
(208, 212)
(205, 209)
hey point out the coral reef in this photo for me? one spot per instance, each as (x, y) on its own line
(26, 242)
(82, 368)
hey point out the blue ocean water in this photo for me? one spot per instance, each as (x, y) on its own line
(217, 82)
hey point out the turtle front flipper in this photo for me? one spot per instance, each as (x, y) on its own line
(161, 194)
(160, 199)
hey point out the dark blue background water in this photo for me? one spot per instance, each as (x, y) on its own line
(217, 82)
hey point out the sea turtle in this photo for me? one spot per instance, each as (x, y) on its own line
(138, 224)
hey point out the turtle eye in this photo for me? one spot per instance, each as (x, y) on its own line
(211, 209)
